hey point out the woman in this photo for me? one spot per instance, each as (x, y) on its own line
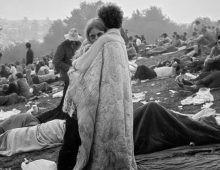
(102, 103)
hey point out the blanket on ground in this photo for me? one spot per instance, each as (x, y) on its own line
(156, 128)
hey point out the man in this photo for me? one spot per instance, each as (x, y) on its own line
(63, 57)
(62, 62)
(29, 54)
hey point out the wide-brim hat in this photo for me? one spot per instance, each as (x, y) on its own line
(73, 35)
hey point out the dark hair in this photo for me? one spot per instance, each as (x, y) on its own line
(111, 15)
(94, 23)
(219, 37)
(197, 22)
(42, 63)
(19, 75)
(28, 45)
(176, 60)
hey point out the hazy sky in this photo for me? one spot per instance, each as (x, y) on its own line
(181, 11)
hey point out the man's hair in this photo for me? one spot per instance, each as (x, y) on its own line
(28, 45)
(19, 75)
(111, 15)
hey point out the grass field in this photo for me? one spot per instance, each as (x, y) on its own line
(155, 90)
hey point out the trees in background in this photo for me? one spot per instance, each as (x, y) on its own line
(150, 22)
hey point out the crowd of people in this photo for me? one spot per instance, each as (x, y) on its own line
(22, 81)
(95, 121)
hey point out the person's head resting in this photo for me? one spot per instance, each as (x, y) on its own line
(19, 75)
(28, 45)
(111, 15)
(94, 29)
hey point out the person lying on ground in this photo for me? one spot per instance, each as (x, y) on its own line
(206, 79)
(155, 128)
(11, 99)
(143, 72)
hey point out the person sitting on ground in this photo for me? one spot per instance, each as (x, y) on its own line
(197, 26)
(131, 51)
(13, 71)
(4, 72)
(143, 39)
(143, 72)
(9, 88)
(206, 38)
(19, 67)
(176, 41)
(212, 61)
(46, 59)
(208, 80)
(184, 36)
(44, 69)
(23, 86)
(37, 79)
(165, 40)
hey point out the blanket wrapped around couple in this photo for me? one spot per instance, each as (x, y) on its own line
(101, 95)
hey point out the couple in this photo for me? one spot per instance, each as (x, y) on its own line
(99, 131)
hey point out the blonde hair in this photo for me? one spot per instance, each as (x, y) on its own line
(94, 23)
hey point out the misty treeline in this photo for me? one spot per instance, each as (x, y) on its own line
(150, 22)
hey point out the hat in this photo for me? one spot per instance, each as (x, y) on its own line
(73, 35)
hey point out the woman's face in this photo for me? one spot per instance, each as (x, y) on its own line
(94, 34)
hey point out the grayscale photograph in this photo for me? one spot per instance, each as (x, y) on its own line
(110, 85)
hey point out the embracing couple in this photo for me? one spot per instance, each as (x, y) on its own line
(98, 100)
